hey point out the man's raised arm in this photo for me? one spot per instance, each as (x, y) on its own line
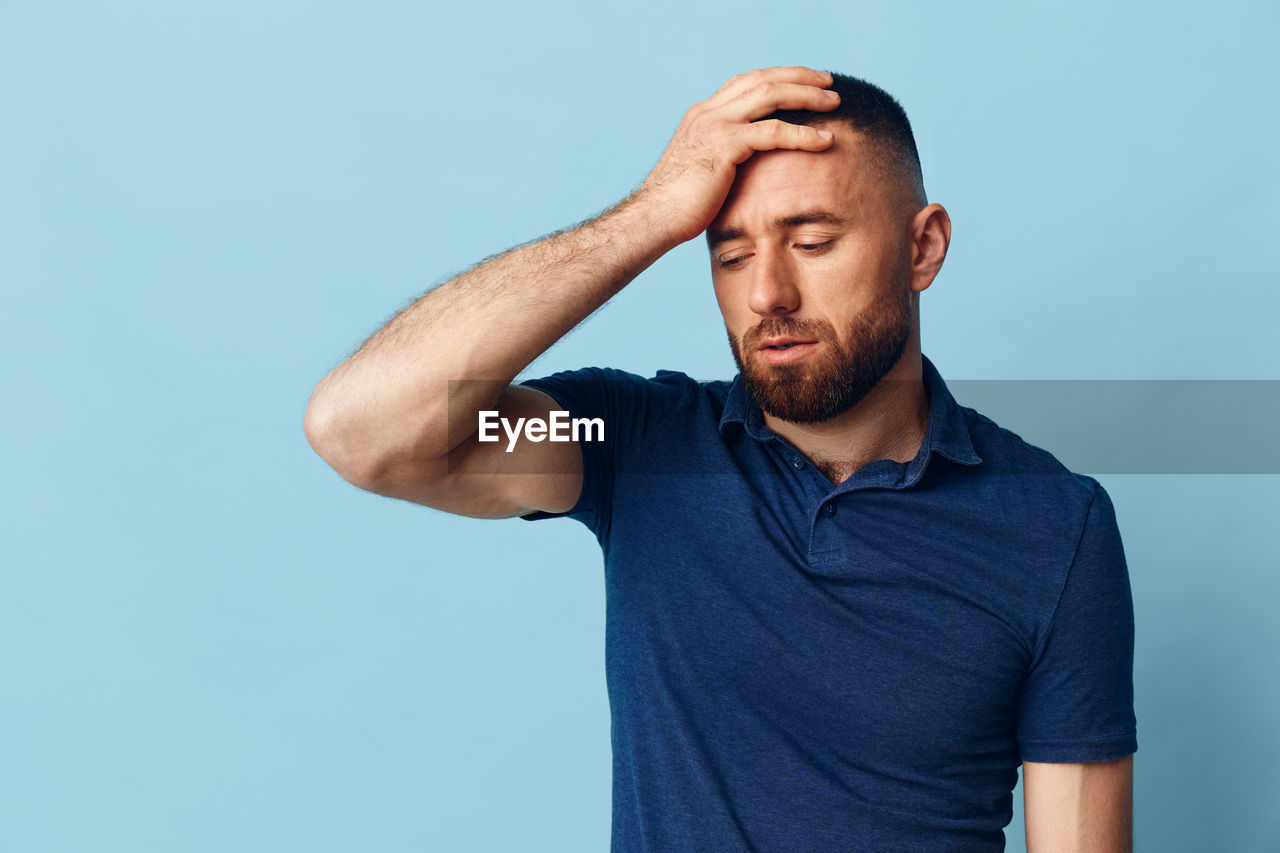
(388, 419)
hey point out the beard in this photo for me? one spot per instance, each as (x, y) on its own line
(834, 379)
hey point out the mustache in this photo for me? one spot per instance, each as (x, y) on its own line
(776, 327)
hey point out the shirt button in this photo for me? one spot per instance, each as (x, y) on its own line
(829, 510)
(797, 462)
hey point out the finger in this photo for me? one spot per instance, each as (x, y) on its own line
(740, 83)
(767, 97)
(772, 134)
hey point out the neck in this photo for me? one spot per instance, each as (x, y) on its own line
(888, 423)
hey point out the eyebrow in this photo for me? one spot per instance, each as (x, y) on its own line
(716, 236)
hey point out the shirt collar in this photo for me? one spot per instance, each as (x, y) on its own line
(947, 433)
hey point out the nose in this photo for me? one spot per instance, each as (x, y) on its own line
(773, 286)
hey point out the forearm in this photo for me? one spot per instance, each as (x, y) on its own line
(392, 402)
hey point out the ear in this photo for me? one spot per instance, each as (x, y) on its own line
(930, 236)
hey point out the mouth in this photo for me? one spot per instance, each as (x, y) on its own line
(783, 350)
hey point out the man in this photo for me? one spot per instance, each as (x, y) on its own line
(841, 609)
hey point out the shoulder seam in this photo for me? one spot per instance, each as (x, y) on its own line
(1066, 577)
(685, 391)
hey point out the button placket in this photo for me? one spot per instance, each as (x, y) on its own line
(825, 537)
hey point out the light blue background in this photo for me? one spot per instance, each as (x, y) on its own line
(210, 642)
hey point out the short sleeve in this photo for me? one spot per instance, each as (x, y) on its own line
(1076, 702)
(630, 406)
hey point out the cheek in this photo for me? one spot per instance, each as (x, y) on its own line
(731, 308)
(855, 280)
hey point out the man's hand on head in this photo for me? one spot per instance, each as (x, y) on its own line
(693, 177)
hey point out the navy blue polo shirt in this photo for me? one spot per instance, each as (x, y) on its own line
(796, 666)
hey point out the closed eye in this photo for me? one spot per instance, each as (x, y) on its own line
(807, 248)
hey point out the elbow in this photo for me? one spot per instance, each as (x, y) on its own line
(322, 426)
(365, 456)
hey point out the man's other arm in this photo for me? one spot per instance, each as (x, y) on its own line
(1078, 808)
(393, 419)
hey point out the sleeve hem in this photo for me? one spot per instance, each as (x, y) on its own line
(581, 506)
(1107, 748)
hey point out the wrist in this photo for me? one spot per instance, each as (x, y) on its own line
(647, 223)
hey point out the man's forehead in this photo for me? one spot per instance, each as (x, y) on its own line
(772, 186)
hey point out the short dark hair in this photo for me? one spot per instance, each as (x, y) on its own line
(867, 108)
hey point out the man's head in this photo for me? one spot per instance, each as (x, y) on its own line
(817, 258)
(877, 115)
